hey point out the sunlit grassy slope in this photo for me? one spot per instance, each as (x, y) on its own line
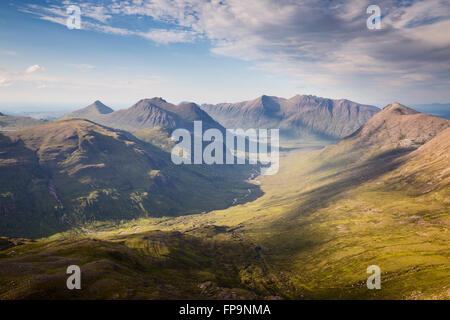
(322, 220)
(311, 235)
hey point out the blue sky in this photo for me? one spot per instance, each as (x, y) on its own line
(221, 51)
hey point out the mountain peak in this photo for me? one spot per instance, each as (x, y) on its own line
(268, 103)
(156, 99)
(399, 109)
(398, 127)
(98, 103)
(95, 109)
(147, 102)
(1, 114)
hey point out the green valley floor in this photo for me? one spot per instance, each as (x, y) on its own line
(311, 235)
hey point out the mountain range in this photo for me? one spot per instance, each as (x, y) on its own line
(73, 171)
(299, 116)
(148, 113)
(378, 196)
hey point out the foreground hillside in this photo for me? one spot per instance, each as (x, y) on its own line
(313, 233)
(71, 172)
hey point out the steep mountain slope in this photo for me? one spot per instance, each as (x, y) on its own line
(14, 123)
(426, 169)
(73, 171)
(92, 111)
(297, 116)
(394, 130)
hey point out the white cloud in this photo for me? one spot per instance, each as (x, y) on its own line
(34, 68)
(5, 82)
(168, 36)
(313, 42)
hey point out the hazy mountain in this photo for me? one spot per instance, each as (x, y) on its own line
(14, 123)
(150, 113)
(441, 110)
(93, 110)
(41, 115)
(74, 171)
(298, 116)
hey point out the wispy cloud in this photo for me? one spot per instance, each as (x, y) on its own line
(35, 76)
(34, 68)
(316, 43)
(8, 53)
(98, 18)
(168, 36)
(4, 81)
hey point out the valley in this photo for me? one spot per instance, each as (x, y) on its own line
(224, 155)
(320, 222)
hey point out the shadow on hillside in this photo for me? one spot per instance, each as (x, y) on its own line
(149, 265)
(43, 196)
(345, 180)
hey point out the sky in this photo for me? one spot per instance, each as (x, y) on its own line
(212, 51)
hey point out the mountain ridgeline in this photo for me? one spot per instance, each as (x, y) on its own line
(14, 123)
(148, 113)
(299, 116)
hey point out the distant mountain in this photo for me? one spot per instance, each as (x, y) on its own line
(93, 110)
(14, 123)
(150, 113)
(396, 128)
(441, 110)
(41, 115)
(69, 172)
(298, 116)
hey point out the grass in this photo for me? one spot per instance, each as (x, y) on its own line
(312, 234)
